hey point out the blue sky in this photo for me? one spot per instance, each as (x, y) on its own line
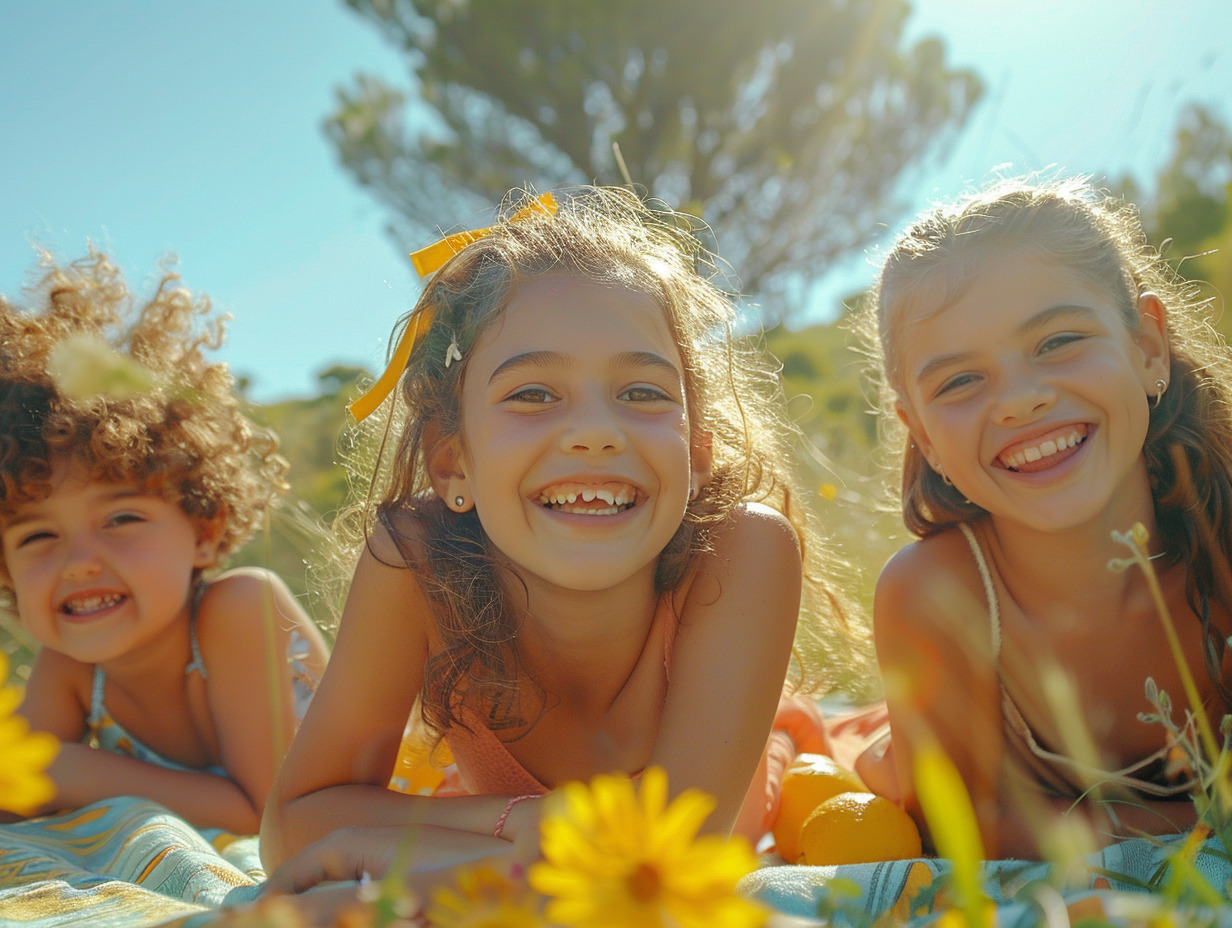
(194, 128)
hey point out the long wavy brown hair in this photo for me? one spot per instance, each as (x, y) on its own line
(607, 235)
(1188, 447)
(180, 433)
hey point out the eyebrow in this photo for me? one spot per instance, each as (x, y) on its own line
(547, 359)
(1039, 320)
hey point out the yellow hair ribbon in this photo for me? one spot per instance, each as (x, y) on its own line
(367, 404)
(426, 261)
(430, 259)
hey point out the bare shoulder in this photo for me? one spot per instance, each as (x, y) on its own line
(57, 694)
(753, 563)
(387, 595)
(237, 605)
(242, 586)
(930, 587)
(757, 531)
(240, 595)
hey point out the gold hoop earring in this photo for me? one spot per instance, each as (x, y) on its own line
(1161, 387)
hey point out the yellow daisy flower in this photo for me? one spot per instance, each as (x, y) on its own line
(484, 899)
(24, 755)
(614, 858)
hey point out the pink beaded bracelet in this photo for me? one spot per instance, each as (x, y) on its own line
(500, 822)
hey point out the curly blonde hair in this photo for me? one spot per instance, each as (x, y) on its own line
(181, 433)
(1188, 447)
(610, 236)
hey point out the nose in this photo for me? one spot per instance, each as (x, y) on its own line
(81, 562)
(1021, 397)
(593, 427)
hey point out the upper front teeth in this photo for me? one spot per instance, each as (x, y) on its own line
(1044, 449)
(91, 603)
(560, 497)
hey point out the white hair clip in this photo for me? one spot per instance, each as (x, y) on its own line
(452, 353)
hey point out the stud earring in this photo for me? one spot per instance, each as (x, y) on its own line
(694, 492)
(459, 501)
(1161, 387)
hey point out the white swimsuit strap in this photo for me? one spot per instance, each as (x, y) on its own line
(994, 611)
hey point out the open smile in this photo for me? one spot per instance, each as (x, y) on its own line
(91, 604)
(1043, 452)
(605, 499)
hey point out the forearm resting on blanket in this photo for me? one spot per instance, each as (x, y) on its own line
(297, 823)
(83, 775)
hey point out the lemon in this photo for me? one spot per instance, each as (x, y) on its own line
(807, 783)
(858, 828)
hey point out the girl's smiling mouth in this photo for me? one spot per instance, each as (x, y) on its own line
(89, 604)
(1044, 451)
(605, 499)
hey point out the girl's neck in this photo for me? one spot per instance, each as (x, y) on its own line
(143, 672)
(582, 645)
(1076, 558)
(1070, 565)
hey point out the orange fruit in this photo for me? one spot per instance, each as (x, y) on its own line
(808, 782)
(858, 828)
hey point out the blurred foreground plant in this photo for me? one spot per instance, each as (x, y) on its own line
(951, 821)
(1209, 761)
(615, 854)
(24, 755)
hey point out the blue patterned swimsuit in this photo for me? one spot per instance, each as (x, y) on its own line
(105, 732)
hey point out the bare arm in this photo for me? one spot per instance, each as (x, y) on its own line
(245, 623)
(84, 775)
(240, 716)
(336, 773)
(1027, 818)
(931, 633)
(54, 703)
(731, 654)
(930, 625)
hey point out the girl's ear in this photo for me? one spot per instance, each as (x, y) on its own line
(701, 461)
(209, 536)
(918, 435)
(447, 470)
(1152, 341)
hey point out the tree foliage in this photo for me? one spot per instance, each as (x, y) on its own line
(786, 125)
(1190, 212)
(297, 543)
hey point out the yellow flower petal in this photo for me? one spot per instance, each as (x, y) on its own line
(614, 856)
(24, 756)
(484, 898)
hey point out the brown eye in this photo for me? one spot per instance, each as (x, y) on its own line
(530, 395)
(645, 393)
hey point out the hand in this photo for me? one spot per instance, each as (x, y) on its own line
(352, 853)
